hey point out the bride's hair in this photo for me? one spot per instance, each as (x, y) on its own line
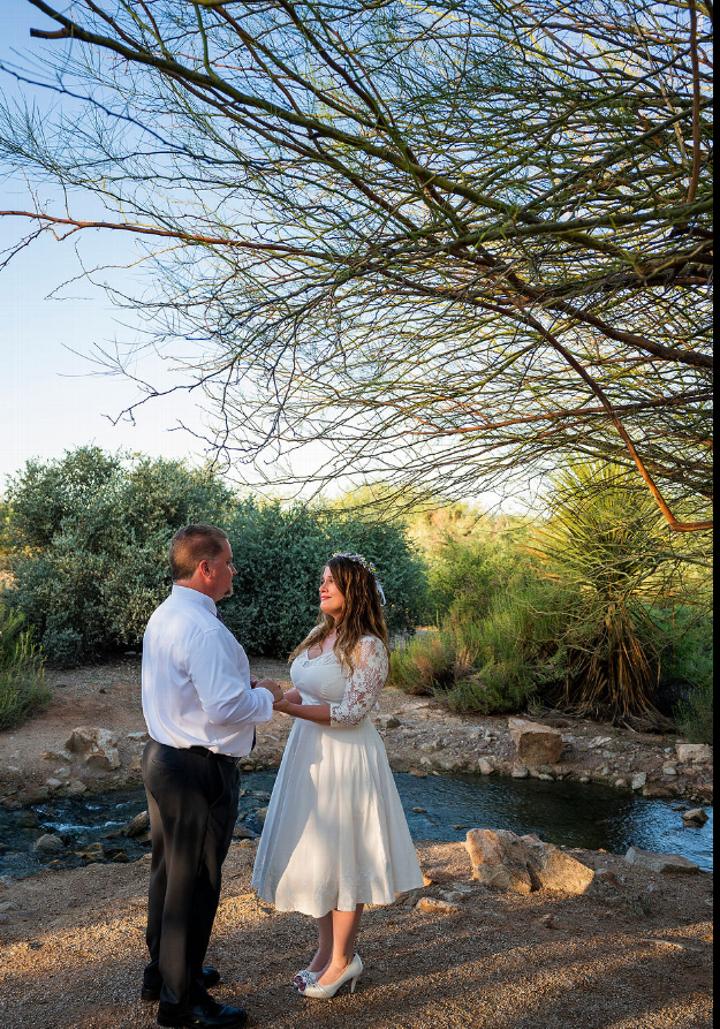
(363, 612)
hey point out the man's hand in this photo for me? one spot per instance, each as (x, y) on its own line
(270, 684)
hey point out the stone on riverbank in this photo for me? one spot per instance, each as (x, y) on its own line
(694, 753)
(96, 747)
(696, 816)
(49, 843)
(535, 744)
(666, 863)
(523, 864)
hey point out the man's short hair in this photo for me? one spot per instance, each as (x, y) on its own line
(193, 544)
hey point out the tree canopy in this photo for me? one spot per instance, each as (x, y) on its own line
(458, 242)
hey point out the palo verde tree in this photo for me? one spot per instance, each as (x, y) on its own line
(459, 242)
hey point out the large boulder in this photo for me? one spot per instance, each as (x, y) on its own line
(523, 864)
(96, 747)
(535, 744)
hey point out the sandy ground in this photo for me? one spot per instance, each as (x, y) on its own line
(634, 952)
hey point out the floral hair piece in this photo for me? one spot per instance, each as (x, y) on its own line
(358, 559)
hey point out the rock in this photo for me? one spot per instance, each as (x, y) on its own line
(549, 921)
(116, 854)
(621, 784)
(485, 766)
(75, 788)
(96, 747)
(92, 853)
(657, 792)
(520, 772)
(137, 825)
(392, 723)
(536, 744)
(53, 784)
(49, 843)
(244, 832)
(669, 770)
(600, 741)
(261, 815)
(696, 816)
(420, 810)
(669, 863)
(694, 753)
(437, 906)
(638, 780)
(138, 737)
(523, 864)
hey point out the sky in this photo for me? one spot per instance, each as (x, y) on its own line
(52, 398)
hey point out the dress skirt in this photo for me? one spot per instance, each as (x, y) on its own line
(335, 833)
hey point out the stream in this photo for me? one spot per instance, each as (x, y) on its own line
(438, 808)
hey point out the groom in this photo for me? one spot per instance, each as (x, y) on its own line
(201, 707)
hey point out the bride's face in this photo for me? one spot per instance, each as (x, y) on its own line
(332, 601)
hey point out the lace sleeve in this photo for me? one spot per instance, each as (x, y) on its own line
(364, 685)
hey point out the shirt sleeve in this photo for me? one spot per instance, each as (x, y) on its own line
(364, 685)
(220, 672)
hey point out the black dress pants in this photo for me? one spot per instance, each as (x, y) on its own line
(192, 804)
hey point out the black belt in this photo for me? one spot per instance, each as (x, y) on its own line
(211, 753)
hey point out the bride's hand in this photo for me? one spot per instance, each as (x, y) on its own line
(293, 696)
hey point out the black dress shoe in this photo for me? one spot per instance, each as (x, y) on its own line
(210, 1015)
(209, 977)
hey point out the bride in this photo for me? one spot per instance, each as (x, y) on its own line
(335, 836)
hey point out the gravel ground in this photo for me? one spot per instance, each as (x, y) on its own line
(634, 952)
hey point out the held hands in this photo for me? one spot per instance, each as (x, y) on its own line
(271, 685)
(291, 697)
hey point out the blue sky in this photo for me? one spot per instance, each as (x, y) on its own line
(49, 399)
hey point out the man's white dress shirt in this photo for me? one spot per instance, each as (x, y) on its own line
(196, 679)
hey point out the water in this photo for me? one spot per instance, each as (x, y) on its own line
(571, 814)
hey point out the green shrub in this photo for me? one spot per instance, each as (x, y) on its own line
(694, 714)
(423, 664)
(90, 535)
(280, 553)
(22, 681)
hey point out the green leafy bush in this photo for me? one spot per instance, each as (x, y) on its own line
(22, 681)
(280, 553)
(90, 535)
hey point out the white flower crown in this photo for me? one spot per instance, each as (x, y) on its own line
(360, 560)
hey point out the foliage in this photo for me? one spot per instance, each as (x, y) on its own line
(91, 533)
(608, 545)
(280, 553)
(694, 715)
(479, 234)
(22, 680)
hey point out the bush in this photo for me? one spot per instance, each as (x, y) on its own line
(22, 681)
(280, 553)
(694, 715)
(90, 534)
(424, 664)
(89, 558)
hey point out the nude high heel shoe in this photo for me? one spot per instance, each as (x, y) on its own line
(351, 974)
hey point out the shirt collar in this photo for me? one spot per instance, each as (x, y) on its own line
(187, 593)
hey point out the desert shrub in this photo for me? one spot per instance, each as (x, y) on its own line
(90, 534)
(22, 682)
(424, 664)
(89, 560)
(280, 553)
(608, 546)
(694, 714)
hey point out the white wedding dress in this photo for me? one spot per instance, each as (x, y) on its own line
(335, 833)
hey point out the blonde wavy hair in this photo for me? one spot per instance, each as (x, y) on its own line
(362, 615)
